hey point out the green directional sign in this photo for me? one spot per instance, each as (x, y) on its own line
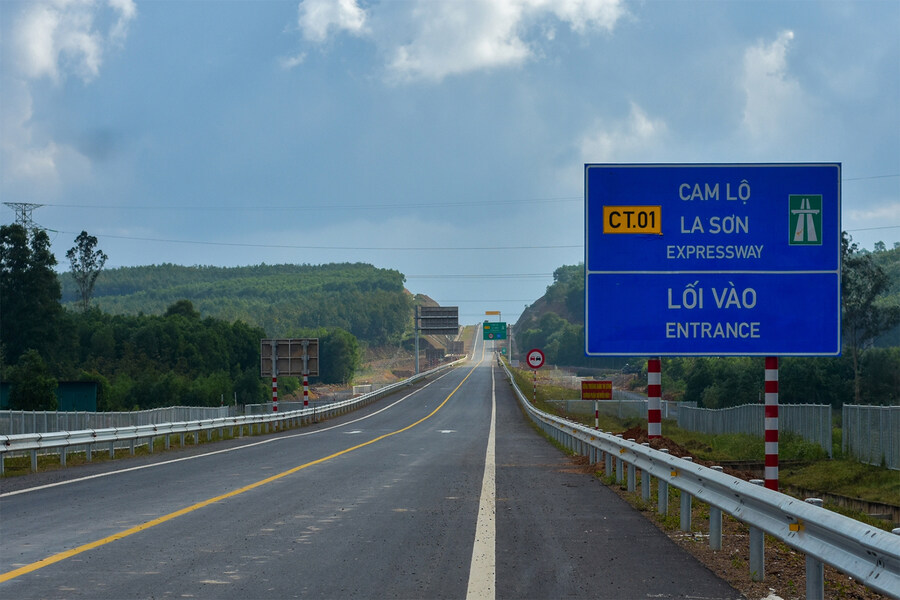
(495, 330)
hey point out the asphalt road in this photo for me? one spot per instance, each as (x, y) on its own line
(443, 491)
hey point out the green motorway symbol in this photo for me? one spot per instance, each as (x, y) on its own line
(805, 219)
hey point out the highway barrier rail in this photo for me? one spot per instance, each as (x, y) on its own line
(135, 435)
(864, 552)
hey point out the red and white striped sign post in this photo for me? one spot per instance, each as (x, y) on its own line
(305, 391)
(274, 394)
(654, 393)
(274, 377)
(771, 429)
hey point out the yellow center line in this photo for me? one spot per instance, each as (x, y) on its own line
(189, 509)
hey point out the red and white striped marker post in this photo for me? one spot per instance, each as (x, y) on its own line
(274, 394)
(596, 414)
(771, 474)
(305, 391)
(654, 393)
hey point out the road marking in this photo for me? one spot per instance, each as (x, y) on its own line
(214, 452)
(483, 568)
(194, 507)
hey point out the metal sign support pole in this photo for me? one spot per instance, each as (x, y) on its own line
(274, 376)
(306, 377)
(417, 340)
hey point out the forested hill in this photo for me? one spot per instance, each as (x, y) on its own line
(369, 302)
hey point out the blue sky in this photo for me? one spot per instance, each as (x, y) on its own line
(443, 139)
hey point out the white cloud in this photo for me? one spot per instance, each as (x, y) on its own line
(52, 37)
(583, 15)
(289, 62)
(458, 37)
(432, 39)
(317, 18)
(775, 104)
(52, 40)
(635, 139)
(452, 38)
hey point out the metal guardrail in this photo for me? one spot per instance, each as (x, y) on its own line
(869, 555)
(63, 440)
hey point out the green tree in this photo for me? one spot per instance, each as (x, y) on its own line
(86, 261)
(185, 308)
(33, 387)
(863, 317)
(339, 353)
(29, 293)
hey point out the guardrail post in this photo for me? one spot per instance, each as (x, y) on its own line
(662, 493)
(632, 473)
(715, 522)
(757, 547)
(132, 446)
(645, 480)
(815, 569)
(112, 450)
(609, 463)
(150, 445)
(87, 452)
(619, 467)
(167, 441)
(686, 504)
(62, 456)
(182, 440)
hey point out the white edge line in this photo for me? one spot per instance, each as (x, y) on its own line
(483, 567)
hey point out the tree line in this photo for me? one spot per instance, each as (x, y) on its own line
(867, 372)
(369, 302)
(175, 356)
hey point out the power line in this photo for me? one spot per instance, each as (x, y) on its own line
(404, 205)
(484, 276)
(380, 206)
(318, 247)
(874, 228)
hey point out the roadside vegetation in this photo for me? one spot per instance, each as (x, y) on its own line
(178, 336)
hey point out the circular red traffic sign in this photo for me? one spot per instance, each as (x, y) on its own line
(535, 358)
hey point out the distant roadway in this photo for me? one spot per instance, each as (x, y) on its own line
(441, 491)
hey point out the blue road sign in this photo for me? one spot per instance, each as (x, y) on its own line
(720, 259)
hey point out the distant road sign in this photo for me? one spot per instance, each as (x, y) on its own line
(535, 358)
(596, 390)
(289, 357)
(438, 320)
(492, 312)
(494, 330)
(713, 259)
